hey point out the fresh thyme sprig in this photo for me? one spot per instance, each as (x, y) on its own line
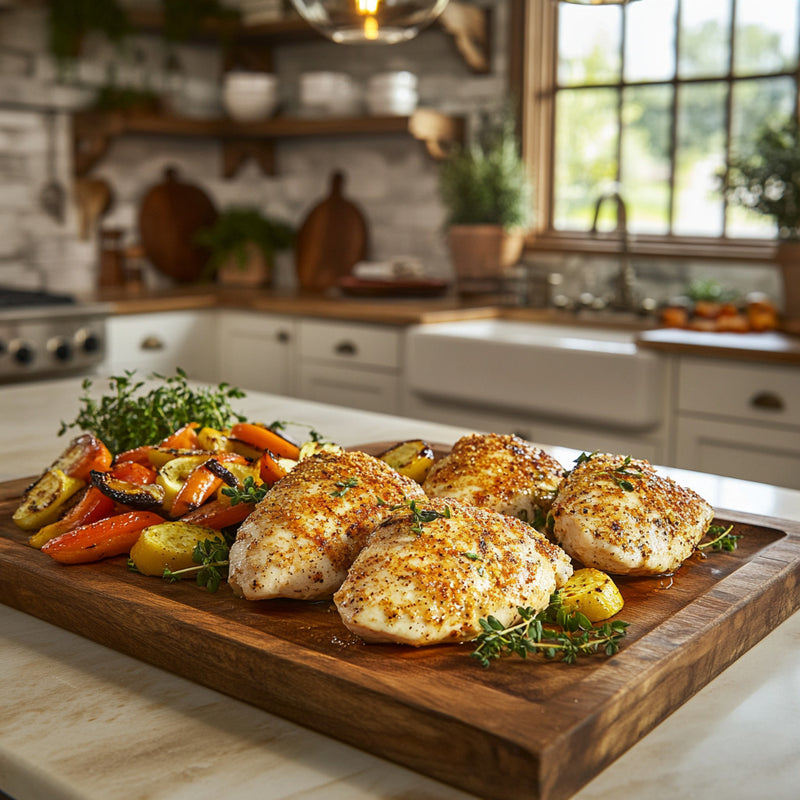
(623, 472)
(344, 486)
(555, 632)
(128, 416)
(211, 557)
(248, 492)
(722, 539)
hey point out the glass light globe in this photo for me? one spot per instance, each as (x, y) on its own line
(599, 2)
(360, 21)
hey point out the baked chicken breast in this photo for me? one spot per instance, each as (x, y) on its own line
(501, 472)
(619, 515)
(433, 569)
(303, 536)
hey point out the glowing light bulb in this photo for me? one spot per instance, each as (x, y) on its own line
(360, 21)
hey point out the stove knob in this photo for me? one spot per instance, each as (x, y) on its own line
(89, 342)
(23, 353)
(3, 348)
(60, 348)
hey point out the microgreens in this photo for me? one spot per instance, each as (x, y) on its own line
(211, 557)
(721, 539)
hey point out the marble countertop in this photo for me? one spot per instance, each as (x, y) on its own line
(80, 721)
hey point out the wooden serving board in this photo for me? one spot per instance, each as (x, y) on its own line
(520, 729)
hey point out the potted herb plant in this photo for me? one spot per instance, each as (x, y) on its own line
(243, 242)
(486, 191)
(766, 179)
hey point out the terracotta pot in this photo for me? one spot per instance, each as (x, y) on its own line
(787, 257)
(257, 270)
(483, 251)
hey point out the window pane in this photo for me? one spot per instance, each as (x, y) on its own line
(586, 154)
(765, 42)
(646, 115)
(589, 41)
(699, 157)
(754, 101)
(649, 57)
(705, 38)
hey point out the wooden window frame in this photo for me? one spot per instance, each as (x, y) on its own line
(533, 51)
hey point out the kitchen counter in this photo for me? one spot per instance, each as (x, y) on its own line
(83, 721)
(773, 346)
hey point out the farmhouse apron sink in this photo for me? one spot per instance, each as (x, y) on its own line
(564, 372)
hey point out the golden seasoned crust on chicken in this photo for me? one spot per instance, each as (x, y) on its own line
(619, 515)
(302, 537)
(498, 471)
(430, 572)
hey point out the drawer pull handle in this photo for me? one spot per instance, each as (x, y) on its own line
(282, 337)
(152, 343)
(345, 349)
(768, 401)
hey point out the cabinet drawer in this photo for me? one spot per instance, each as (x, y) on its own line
(766, 393)
(351, 387)
(363, 345)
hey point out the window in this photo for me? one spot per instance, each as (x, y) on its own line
(649, 99)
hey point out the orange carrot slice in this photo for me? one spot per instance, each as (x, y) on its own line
(219, 514)
(92, 506)
(269, 470)
(108, 537)
(84, 453)
(265, 439)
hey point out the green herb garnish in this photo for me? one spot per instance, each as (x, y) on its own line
(247, 492)
(555, 632)
(130, 417)
(344, 487)
(721, 539)
(211, 557)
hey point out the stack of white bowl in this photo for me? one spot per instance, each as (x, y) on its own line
(249, 96)
(392, 93)
(328, 94)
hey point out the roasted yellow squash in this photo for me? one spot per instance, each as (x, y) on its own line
(168, 546)
(593, 594)
(412, 458)
(44, 502)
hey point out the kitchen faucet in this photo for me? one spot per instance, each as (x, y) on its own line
(624, 297)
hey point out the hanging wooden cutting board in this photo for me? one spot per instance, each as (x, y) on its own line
(171, 214)
(331, 240)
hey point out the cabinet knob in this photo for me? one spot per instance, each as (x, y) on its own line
(282, 336)
(151, 342)
(768, 401)
(345, 349)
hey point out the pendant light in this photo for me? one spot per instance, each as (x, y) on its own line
(361, 21)
(599, 2)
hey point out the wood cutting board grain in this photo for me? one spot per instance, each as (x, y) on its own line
(297, 660)
(331, 240)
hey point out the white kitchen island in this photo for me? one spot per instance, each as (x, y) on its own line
(78, 720)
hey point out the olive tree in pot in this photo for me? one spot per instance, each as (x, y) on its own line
(486, 191)
(243, 242)
(766, 179)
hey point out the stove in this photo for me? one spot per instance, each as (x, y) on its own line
(49, 335)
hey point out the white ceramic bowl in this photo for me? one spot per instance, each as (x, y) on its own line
(328, 94)
(250, 96)
(394, 80)
(391, 101)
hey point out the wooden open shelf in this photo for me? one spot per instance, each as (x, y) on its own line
(94, 131)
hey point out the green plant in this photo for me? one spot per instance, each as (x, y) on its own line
(69, 21)
(486, 182)
(765, 177)
(240, 226)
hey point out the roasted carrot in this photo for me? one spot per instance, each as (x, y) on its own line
(184, 438)
(269, 470)
(139, 455)
(108, 537)
(196, 489)
(84, 453)
(92, 506)
(219, 514)
(265, 439)
(134, 472)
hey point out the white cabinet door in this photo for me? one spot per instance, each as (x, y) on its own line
(751, 452)
(350, 364)
(258, 351)
(161, 342)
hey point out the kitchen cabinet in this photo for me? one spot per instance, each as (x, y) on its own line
(739, 419)
(258, 351)
(161, 341)
(350, 364)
